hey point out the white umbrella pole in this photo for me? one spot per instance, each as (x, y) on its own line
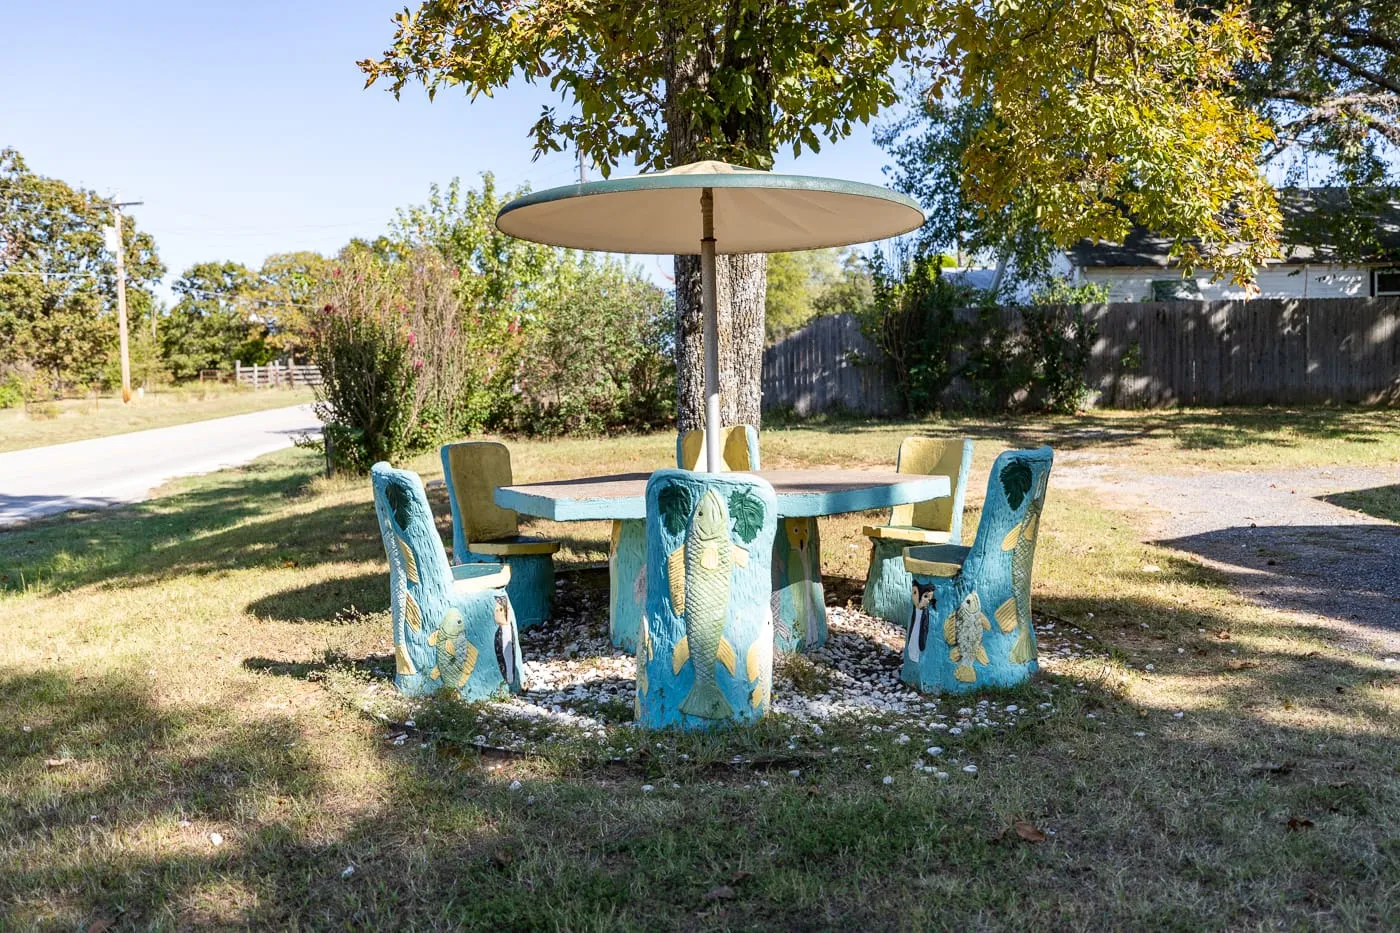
(708, 309)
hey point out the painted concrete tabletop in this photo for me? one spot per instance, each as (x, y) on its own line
(800, 493)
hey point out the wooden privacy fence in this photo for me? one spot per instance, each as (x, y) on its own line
(276, 374)
(1145, 354)
(826, 366)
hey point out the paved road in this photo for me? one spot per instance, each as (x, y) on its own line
(126, 467)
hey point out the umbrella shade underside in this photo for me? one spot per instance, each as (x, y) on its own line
(754, 212)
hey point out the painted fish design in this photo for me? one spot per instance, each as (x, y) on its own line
(963, 631)
(452, 668)
(917, 639)
(699, 575)
(1015, 613)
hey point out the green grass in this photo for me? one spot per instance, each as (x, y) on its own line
(215, 658)
(80, 419)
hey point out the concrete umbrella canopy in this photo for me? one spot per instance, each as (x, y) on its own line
(710, 208)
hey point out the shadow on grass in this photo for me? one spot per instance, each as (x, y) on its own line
(1381, 502)
(1346, 572)
(343, 600)
(1187, 429)
(231, 520)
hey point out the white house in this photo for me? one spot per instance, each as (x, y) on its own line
(1139, 270)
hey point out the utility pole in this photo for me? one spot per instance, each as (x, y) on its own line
(582, 167)
(116, 246)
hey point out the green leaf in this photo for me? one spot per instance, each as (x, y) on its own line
(676, 504)
(748, 513)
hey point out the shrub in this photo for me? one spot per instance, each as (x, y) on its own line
(11, 390)
(387, 338)
(595, 356)
(947, 345)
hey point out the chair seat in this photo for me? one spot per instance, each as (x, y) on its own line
(935, 560)
(476, 578)
(514, 547)
(906, 533)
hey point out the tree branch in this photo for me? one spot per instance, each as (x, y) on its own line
(1366, 74)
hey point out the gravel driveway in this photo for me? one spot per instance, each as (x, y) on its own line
(1274, 533)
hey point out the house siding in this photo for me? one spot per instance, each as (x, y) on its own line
(1277, 281)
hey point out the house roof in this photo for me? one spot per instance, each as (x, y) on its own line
(1319, 225)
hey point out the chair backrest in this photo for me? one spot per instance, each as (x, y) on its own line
(473, 470)
(1015, 489)
(934, 456)
(705, 649)
(418, 566)
(738, 445)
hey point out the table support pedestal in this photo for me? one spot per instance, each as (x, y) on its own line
(627, 561)
(799, 601)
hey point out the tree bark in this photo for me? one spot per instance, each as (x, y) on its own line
(741, 280)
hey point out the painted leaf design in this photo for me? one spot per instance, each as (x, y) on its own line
(401, 504)
(410, 563)
(748, 513)
(1016, 482)
(676, 504)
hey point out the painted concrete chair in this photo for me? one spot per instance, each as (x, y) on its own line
(937, 521)
(738, 446)
(705, 648)
(627, 550)
(454, 628)
(970, 626)
(483, 532)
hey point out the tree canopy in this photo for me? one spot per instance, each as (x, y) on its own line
(1057, 122)
(57, 280)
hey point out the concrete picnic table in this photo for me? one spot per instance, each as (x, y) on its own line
(799, 609)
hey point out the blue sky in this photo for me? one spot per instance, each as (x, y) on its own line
(245, 128)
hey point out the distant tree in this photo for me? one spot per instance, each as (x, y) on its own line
(286, 286)
(57, 281)
(215, 320)
(809, 284)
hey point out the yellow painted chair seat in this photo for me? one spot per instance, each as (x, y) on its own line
(906, 533)
(474, 578)
(514, 546)
(935, 560)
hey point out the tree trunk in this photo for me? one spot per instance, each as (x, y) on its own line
(742, 284)
(741, 281)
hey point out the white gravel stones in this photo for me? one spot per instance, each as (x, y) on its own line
(579, 686)
(970, 769)
(216, 839)
(934, 750)
(347, 871)
(515, 785)
(887, 780)
(648, 788)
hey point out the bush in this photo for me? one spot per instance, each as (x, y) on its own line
(11, 390)
(947, 345)
(595, 356)
(387, 339)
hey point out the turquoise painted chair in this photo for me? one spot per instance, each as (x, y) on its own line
(937, 521)
(454, 628)
(483, 532)
(705, 646)
(970, 626)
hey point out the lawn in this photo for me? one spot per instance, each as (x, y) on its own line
(214, 661)
(79, 419)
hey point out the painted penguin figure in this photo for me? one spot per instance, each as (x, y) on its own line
(962, 630)
(505, 640)
(699, 573)
(917, 639)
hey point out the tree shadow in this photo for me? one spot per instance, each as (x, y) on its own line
(1345, 572)
(342, 600)
(1381, 502)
